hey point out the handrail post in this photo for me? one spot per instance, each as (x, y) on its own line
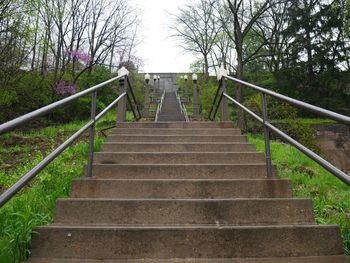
(92, 134)
(224, 106)
(266, 136)
(147, 100)
(121, 114)
(195, 97)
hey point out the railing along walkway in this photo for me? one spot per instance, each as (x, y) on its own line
(222, 97)
(120, 100)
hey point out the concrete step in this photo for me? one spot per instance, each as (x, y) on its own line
(185, 242)
(171, 118)
(176, 138)
(315, 259)
(187, 125)
(181, 189)
(219, 212)
(174, 131)
(179, 171)
(178, 158)
(177, 147)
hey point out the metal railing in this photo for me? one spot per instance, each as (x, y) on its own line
(159, 108)
(184, 110)
(182, 107)
(269, 127)
(9, 126)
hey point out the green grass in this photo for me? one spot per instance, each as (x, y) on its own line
(34, 205)
(330, 196)
(306, 121)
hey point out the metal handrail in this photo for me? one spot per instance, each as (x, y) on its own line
(184, 110)
(182, 107)
(213, 106)
(268, 126)
(8, 126)
(160, 106)
(327, 113)
(135, 101)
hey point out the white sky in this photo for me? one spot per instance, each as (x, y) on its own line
(158, 50)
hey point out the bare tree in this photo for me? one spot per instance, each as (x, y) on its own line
(239, 24)
(196, 28)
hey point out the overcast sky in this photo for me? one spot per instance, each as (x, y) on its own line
(159, 52)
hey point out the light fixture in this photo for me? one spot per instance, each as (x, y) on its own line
(181, 77)
(147, 77)
(123, 72)
(194, 77)
(222, 72)
(185, 77)
(154, 77)
(158, 77)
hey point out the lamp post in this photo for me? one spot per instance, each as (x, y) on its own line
(180, 83)
(123, 87)
(154, 81)
(186, 89)
(221, 74)
(158, 82)
(195, 96)
(146, 103)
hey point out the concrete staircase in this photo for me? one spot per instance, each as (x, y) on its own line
(183, 192)
(171, 110)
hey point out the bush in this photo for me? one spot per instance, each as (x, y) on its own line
(276, 109)
(30, 92)
(301, 132)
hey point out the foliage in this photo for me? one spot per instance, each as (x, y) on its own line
(302, 132)
(32, 85)
(30, 92)
(275, 108)
(206, 88)
(34, 205)
(329, 195)
(50, 49)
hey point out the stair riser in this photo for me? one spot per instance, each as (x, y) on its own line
(181, 189)
(179, 139)
(177, 131)
(184, 212)
(134, 147)
(177, 158)
(108, 243)
(172, 118)
(190, 125)
(179, 171)
(321, 259)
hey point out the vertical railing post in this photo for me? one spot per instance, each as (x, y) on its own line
(147, 99)
(121, 114)
(266, 135)
(186, 95)
(92, 134)
(195, 96)
(224, 106)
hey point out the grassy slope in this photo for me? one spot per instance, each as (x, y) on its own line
(331, 197)
(35, 204)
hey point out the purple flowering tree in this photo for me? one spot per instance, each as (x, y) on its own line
(63, 88)
(79, 55)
